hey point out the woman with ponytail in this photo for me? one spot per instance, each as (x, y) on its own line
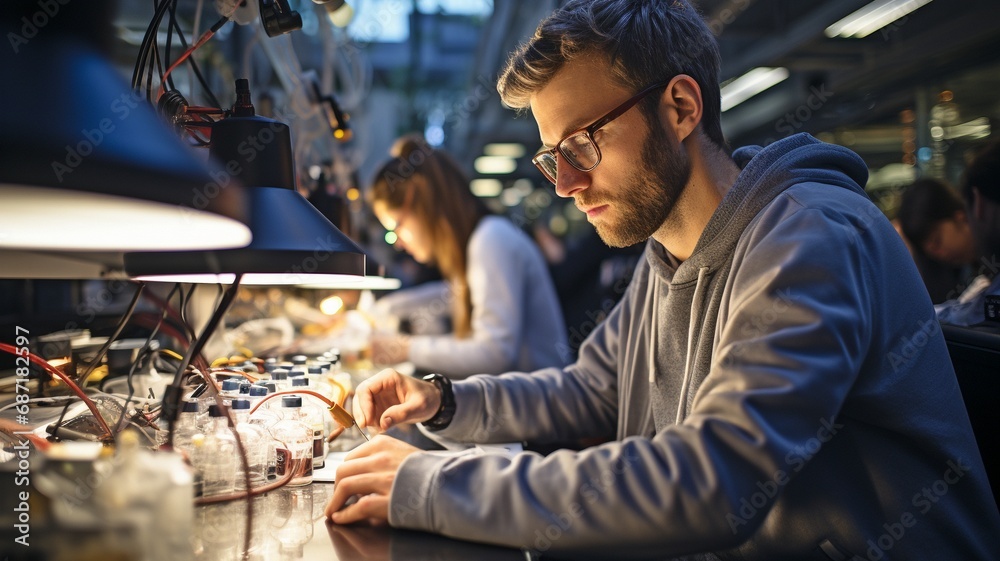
(504, 311)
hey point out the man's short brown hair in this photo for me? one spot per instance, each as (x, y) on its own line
(645, 41)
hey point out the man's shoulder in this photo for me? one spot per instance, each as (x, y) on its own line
(830, 203)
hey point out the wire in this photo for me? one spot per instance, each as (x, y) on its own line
(198, 139)
(249, 377)
(144, 349)
(171, 354)
(147, 40)
(118, 330)
(220, 291)
(170, 39)
(173, 393)
(185, 303)
(201, 41)
(296, 468)
(16, 435)
(59, 421)
(144, 432)
(41, 400)
(196, 26)
(203, 112)
(149, 52)
(194, 64)
(212, 324)
(189, 333)
(197, 17)
(145, 320)
(69, 382)
(181, 297)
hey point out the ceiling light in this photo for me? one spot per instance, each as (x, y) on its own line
(755, 81)
(973, 130)
(873, 17)
(495, 165)
(486, 187)
(511, 198)
(506, 149)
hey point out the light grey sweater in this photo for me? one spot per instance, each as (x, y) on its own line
(785, 393)
(516, 320)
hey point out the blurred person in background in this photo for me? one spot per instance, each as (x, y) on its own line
(590, 278)
(933, 220)
(981, 188)
(504, 311)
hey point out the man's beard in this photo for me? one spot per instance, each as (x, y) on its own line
(649, 193)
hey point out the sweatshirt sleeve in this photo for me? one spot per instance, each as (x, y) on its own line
(578, 401)
(495, 271)
(772, 388)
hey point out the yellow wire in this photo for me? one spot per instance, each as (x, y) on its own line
(171, 354)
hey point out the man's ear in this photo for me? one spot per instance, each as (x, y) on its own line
(681, 106)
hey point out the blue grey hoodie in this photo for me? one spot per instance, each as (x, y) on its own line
(784, 393)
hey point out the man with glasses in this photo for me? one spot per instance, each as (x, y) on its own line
(774, 380)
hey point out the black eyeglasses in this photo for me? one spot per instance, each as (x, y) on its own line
(578, 147)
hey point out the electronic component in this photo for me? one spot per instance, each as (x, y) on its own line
(278, 17)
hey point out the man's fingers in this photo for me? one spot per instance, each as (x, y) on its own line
(363, 450)
(399, 414)
(371, 508)
(364, 404)
(362, 484)
(374, 395)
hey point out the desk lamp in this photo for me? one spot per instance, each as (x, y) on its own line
(84, 164)
(292, 242)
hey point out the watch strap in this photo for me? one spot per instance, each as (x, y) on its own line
(446, 411)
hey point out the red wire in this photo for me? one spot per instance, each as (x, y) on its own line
(200, 109)
(201, 41)
(319, 396)
(16, 431)
(172, 313)
(237, 372)
(72, 385)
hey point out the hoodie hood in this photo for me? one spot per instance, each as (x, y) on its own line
(679, 355)
(767, 172)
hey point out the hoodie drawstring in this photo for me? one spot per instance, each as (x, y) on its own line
(696, 311)
(655, 287)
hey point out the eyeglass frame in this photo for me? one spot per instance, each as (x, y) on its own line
(590, 130)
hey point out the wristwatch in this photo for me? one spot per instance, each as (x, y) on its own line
(446, 410)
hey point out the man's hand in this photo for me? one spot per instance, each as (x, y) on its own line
(390, 398)
(367, 472)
